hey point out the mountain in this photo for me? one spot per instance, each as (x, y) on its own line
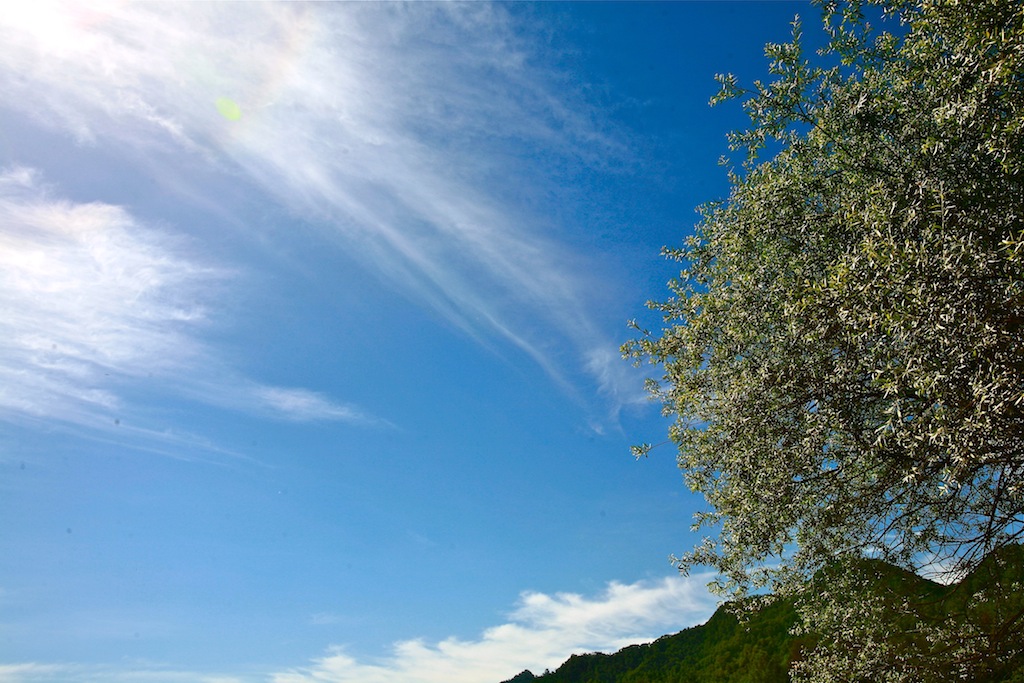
(760, 650)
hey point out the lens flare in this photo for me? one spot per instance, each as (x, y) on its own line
(228, 108)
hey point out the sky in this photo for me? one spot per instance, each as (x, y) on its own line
(310, 319)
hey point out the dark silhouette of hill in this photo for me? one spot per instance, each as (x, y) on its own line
(761, 649)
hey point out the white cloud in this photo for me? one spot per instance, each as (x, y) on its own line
(96, 303)
(387, 124)
(542, 632)
(32, 672)
(90, 297)
(29, 671)
(616, 378)
(325, 618)
(304, 405)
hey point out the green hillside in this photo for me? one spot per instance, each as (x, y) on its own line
(988, 603)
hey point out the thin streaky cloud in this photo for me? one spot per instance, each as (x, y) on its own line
(399, 129)
(96, 303)
(304, 405)
(90, 298)
(33, 672)
(616, 378)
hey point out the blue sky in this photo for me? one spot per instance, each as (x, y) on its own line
(309, 360)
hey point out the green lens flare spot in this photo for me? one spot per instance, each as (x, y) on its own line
(229, 109)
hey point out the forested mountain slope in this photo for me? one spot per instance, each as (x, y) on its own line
(987, 605)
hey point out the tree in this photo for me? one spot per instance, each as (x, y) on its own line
(843, 351)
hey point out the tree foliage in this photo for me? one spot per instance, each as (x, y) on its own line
(874, 622)
(843, 351)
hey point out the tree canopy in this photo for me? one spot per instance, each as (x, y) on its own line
(843, 352)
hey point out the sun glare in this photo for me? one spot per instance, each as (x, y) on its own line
(57, 27)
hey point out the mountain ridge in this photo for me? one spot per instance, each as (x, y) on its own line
(761, 649)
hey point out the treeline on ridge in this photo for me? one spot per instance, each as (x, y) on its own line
(762, 648)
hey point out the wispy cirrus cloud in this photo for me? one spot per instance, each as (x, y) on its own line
(301, 405)
(90, 297)
(95, 301)
(32, 672)
(413, 135)
(542, 632)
